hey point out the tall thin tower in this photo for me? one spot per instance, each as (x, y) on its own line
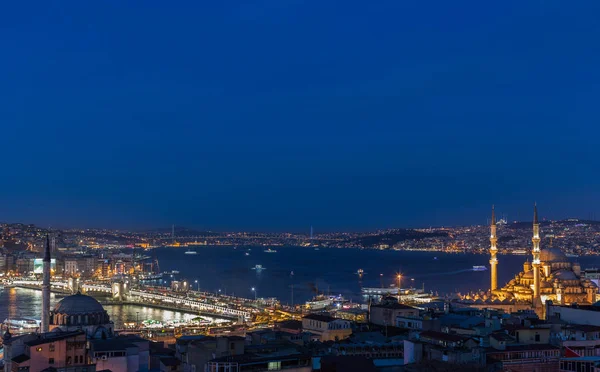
(46, 288)
(493, 252)
(536, 254)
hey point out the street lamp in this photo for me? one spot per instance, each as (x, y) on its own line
(198, 285)
(381, 279)
(254, 290)
(399, 281)
(137, 319)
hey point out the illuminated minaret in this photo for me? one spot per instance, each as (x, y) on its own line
(493, 252)
(46, 288)
(536, 254)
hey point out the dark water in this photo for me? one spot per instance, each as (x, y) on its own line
(325, 270)
(334, 270)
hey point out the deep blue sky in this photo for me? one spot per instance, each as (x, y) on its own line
(279, 114)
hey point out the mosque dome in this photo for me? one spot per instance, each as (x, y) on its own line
(528, 275)
(78, 304)
(79, 310)
(565, 275)
(553, 255)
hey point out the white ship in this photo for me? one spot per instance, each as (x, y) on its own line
(151, 276)
(189, 251)
(519, 252)
(379, 291)
(22, 324)
(258, 268)
(479, 268)
(270, 250)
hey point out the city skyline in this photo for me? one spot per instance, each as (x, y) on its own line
(282, 115)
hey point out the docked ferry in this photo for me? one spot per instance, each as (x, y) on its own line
(323, 302)
(148, 277)
(22, 324)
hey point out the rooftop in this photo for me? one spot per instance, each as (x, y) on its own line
(49, 337)
(443, 336)
(320, 317)
(394, 306)
(501, 336)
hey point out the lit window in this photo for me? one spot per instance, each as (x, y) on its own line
(39, 349)
(274, 366)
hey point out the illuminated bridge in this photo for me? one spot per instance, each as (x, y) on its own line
(143, 297)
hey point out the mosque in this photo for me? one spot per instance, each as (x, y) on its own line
(549, 276)
(76, 335)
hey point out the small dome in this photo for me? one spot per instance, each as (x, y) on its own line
(528, 275)
(546, 284)
(565, 275)
(553, 255)
(78, 304)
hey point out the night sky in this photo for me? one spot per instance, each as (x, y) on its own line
(276, 115)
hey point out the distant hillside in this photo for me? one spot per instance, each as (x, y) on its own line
(528, 224)
(397, 236)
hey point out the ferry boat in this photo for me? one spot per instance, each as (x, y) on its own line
(22, 324)
(520, 252)
(479, 268)
(379, 291)
(151, 276)
(247, 254)
(258, 268)
(319, 303)
(189, 251)
(360, 272)
(270, 250)
(571, 255)
(322, 302)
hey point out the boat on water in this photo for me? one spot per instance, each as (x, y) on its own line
(316, 249)
(151, 276)
(479, 268)
(360, 272)
(189, 251)
(520, 252)
(322, 302)
(22, 324)
(392, 290)
(247, 254)
(270, 250)
(258, 268)
(571, 255)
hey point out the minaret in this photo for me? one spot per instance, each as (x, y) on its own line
(493, 252)
(46, 289)
(536, 254)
